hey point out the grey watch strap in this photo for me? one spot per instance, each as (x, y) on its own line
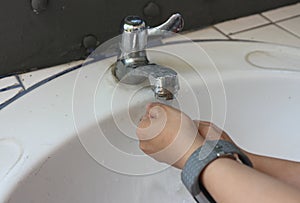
(211, 150)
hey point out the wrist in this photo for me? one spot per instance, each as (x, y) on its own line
(180, 164)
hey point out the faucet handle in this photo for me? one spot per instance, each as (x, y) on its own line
(135, 32)
(134, 23)
(174, 24)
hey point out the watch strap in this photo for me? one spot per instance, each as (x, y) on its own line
(211, 150)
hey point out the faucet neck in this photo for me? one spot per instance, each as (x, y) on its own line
(134, 42)
(134, 36)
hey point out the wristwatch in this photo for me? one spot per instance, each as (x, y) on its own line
(211, 150)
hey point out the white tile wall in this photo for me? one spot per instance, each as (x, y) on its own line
(269, 33)
(292, 25)
(283, 12)
(207, 33)
(240, 24)
(201, 34)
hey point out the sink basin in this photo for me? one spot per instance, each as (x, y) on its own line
(77, 133)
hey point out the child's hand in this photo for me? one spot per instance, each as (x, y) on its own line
(168, 135)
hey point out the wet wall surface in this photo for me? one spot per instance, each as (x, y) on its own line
(41, 33)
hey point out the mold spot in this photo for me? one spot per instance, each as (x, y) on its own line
(39, 5)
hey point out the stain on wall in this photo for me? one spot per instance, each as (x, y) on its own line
(41, 33)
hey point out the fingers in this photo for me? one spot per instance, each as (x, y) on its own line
(156, 112)
(152, 123)
(167, 134)
(152, 111)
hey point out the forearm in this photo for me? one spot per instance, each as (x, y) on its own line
(229, 181)
(287, 171)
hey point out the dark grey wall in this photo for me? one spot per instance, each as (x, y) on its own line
(55, 35)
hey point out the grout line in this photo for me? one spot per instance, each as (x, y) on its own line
(252, 28)
(266, 18)
(275, 24)
(20, 81)
(213, 27)
(281, 20)
(10, 87)
(289, 18)
(220, 31)
(286, 30)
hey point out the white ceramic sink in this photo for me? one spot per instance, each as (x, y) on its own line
(77, 133)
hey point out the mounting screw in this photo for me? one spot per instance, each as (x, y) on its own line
(39, 5)
(90, 42)
(151, 10)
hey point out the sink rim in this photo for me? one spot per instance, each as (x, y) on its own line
(35, 153)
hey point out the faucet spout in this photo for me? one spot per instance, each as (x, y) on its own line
(163, 80)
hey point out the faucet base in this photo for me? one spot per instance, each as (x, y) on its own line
(128, 63)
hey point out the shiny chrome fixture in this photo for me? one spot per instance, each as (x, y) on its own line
(133, 66)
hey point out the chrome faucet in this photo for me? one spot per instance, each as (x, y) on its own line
(133, 66)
